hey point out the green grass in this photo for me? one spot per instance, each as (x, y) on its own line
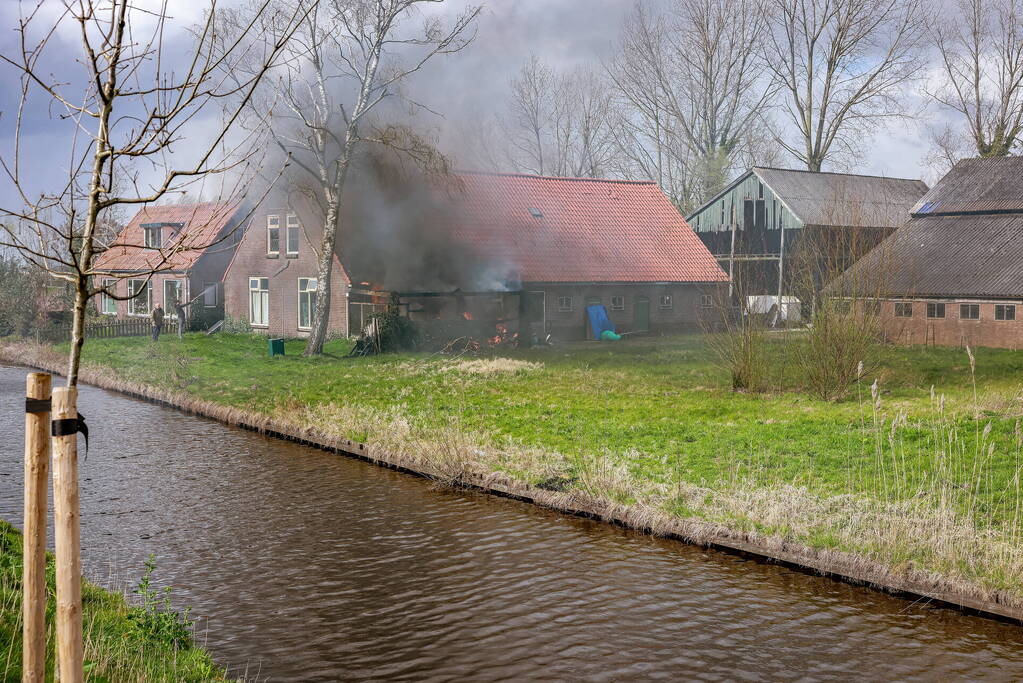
(655, 422)
(118, 645)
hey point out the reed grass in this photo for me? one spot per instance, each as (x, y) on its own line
(913, 482)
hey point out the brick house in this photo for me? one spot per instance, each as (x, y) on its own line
(550, 246)
(168, 252)
(271, 281)
(953, 275)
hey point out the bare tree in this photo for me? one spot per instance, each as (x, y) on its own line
(981, 50)
(349, 57)
(127, 111)
(843, 66)
(559, 123)
(696, 83)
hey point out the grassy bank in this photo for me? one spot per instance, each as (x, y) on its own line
(917, 477)
(122, 643)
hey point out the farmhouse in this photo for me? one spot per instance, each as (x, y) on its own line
(953, 275)
(523, 253)
(786, 232)
(170, 252)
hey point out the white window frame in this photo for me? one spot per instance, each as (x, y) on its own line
(935, 307)
(303, 288)
(562, 306)
(149, 231)
(706, 301)
(964, 305)
(273, 222)
(1005, 307)
(168, 304)
(257, 290)
(665, 301)
(134, 300)
(617, 303)
(903, 305)
(109, 283)
(291, 224)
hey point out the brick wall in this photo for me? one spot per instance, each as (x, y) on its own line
(157, 294)
(952, 330)
(251, 260)
(683, 314)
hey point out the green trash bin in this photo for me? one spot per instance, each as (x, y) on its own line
(276, 347)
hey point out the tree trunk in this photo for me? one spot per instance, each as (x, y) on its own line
(321, 312)
(77, 332)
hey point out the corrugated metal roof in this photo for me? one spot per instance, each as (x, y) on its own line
(976, 186)
(202, 224)
(961, 256)
(587, 231)
(844, 200)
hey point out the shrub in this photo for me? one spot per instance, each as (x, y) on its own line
(394, 332)
(154, 620)
(840, 343)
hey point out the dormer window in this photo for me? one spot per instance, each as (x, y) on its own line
(153, 235)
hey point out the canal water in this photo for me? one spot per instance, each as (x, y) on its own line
(302, 565)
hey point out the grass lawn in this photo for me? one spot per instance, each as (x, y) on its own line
(931, 466)
(121, 643)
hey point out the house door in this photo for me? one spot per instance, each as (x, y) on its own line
(641, 314)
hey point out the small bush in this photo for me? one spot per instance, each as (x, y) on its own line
(154, 620)
(840, 344)
(395, 332)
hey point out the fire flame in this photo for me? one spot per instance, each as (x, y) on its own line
(467, 315)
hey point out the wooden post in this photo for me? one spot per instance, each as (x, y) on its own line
(37, 464)
(68, 540)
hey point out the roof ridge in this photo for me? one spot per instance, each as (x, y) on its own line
(849, 175)
(502, 174)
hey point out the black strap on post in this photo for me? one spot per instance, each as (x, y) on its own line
(70, 426)
(37, 405)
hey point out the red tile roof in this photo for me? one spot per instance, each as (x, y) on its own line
(203, 223)
(588, 230)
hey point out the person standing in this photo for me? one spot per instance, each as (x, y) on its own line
(157, 321)
(179, 310)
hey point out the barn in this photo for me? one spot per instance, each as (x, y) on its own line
(783, 232)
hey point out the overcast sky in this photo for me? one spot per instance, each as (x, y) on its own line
(564, 33)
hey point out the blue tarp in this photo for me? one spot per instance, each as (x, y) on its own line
(598, 320)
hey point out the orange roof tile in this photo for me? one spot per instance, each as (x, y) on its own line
(581, 230)
(202, 224)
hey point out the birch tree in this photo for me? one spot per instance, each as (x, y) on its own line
(347, 59)
(130, 101)
(843, 67)
(981, 75)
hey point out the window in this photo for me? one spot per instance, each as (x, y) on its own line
(935, 310)
(293, 234)
(273, 235)
(903, 310)
(665, 301)
(209, 294)
(1005, 312)
(969, 311)
(564, 303)
(706, 300)
(141, 293)
(618, 303)
(872, 307)
(259, 301)
(153, 236)
(108, 304)
(171, 293)
(306, 302)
